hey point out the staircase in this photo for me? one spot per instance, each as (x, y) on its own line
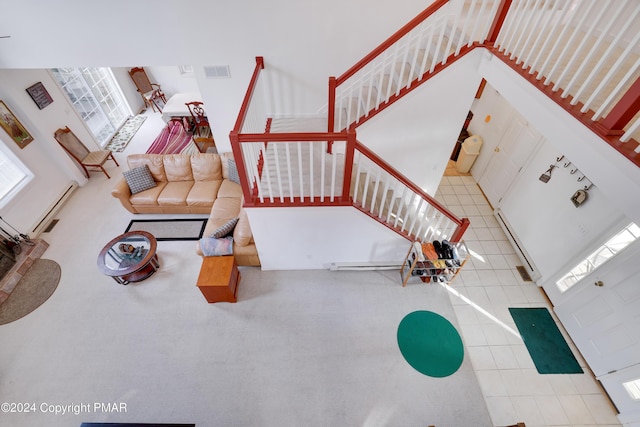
(584, 58)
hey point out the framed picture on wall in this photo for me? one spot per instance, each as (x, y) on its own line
(13, 127)
(39, 95)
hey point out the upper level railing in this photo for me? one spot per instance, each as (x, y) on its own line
(423, 47)
(584, 55)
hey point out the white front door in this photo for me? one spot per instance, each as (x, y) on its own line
(601, 313)
(623, 387)
(512, 152)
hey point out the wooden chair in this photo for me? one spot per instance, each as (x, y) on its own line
(199, 122)
(151, 93)
(81, 154)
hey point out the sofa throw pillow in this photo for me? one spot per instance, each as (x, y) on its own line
(139, 179)
(225, 230)
(211, 246)
(233, 171)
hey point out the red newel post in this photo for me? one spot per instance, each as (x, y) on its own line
(348, 165)
(498, 20)
(623, 111)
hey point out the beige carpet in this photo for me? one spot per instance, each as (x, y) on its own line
(35, 287)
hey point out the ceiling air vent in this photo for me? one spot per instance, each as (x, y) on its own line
(217, 72)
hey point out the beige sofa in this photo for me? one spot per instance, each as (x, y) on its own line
(192, 184)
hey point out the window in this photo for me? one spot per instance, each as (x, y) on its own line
(605, 252)
(633, 388)
(186, 69)
(96, 96)
(13, 175)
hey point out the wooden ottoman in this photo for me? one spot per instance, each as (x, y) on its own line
(218, 279)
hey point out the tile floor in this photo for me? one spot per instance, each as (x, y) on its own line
(487, 286)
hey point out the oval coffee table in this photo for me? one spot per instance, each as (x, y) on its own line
(130, 257)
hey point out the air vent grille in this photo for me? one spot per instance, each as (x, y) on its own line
(217, 72)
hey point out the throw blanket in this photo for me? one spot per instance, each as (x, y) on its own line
(173, 139)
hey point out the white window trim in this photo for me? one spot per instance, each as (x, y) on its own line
(587, 263)
(186, 70)
(12, 158)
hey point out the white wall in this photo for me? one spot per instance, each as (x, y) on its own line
(313, 238)
(52, 168)
(550, 227)
(615, 175)
(554, 233)
(417, 134)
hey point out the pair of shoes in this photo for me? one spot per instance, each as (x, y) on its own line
(451, 252)
(440, 249)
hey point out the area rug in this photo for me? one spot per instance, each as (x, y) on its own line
(173, 139)
(170, 229)
(126, 132)
(544, 341)
(35, 287)
(430, 344)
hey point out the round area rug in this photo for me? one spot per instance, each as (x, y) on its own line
(35, 287)
(430, 344)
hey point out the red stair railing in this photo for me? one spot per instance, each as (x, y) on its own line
(548, 43)
(273, 174)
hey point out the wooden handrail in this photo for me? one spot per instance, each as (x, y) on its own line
(247, 97)
(405, 181)
(293, 137)
(433, 8)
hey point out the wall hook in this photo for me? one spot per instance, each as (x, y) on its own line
(588, 187)
(566, 165)
(581, 178)
(572, 171)
(559, 158)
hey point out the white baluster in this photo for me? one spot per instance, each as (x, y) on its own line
(568, 44)
(604, 58)
(553, 34)
(607, 79)
(510, 27)
(288, 155)
(523, 22)
(311, 189)
(531, 29)
(630, 131)
(276, 156)
(300, 171)
(575, 58)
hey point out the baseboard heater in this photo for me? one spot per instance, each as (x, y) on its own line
(50, 213)
(528, 265)
(364, 266)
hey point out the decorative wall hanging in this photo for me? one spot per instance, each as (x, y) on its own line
(545, 177)
(13, 127)
(39, 95)
(580, 196)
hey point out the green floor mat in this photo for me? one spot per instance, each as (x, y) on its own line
(544, 341)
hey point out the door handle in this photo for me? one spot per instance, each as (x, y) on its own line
(599, 283)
